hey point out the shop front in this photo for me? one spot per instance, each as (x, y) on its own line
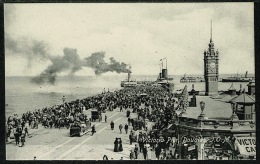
(218, 149)
(189, 147)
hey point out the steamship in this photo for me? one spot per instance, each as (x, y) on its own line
(129, 83)
(185, 79)
(163, 78)
(238, 79)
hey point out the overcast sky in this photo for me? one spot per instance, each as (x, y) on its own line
(140, 34)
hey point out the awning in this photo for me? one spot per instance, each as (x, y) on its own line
(246, 145)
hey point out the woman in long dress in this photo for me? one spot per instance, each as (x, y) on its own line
(120, 145)
(116, 145)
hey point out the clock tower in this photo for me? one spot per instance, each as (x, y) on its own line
(211, 68)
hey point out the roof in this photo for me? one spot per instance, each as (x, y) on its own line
(243, 98)
(213, 108)
(227, 98)
(219, 96)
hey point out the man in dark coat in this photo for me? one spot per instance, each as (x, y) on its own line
(93, 130)
(126, 128)
(128, 113)
(16, 135)
(131, 156)
(131, 138)
(112, 124)
(105, 118)
(26, 131)
(157, 151)
(22, 140)
(145, 152)
(141, 143)
(136, 151)
(129, 120)
(120, 128)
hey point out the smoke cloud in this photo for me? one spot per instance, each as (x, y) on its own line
(96, 61)
(68, 62)
(31, 49)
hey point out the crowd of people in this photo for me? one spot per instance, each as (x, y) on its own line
(152, 103)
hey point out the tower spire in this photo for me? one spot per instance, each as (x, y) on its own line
(211, 32)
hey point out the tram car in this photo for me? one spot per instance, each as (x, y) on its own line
(79, 129)
(138, 124)
(96, 115)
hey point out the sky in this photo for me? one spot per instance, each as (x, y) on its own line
(139, 34)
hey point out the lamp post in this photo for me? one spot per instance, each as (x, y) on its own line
(202, 107)
(234, 108)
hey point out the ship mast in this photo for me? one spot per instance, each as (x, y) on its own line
(129, 73)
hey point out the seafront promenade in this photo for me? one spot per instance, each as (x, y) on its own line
(56, 144)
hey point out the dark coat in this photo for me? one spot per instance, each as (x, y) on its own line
(93, 129)
(112, 125)
(144, 150)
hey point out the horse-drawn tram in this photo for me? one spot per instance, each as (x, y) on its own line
(96, 115)
(80, 128)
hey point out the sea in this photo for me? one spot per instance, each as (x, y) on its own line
(21, 95)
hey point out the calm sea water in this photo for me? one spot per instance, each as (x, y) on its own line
(21, 95)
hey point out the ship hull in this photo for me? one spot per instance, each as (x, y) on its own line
(236, 80)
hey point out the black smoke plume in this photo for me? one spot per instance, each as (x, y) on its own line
(31, 49)
(70, 61)
(96, 61)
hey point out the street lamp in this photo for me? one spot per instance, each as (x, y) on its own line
(234, 108)
(202, 107)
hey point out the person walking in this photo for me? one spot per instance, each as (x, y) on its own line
(22, 140)
(141, 143)
(126, 128)
(116, 145)
(157, 152)
(112, 124)
(120, 128)
(136, 151)
(105, 118)
(131, 156)
(131, 138)
(93, 130)
(16, 135)
(145, 152)
(26, 131)
(129, 121)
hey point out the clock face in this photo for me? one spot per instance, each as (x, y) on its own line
(212, 65)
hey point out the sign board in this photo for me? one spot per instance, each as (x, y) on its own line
(191, 147)
(246, 145)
